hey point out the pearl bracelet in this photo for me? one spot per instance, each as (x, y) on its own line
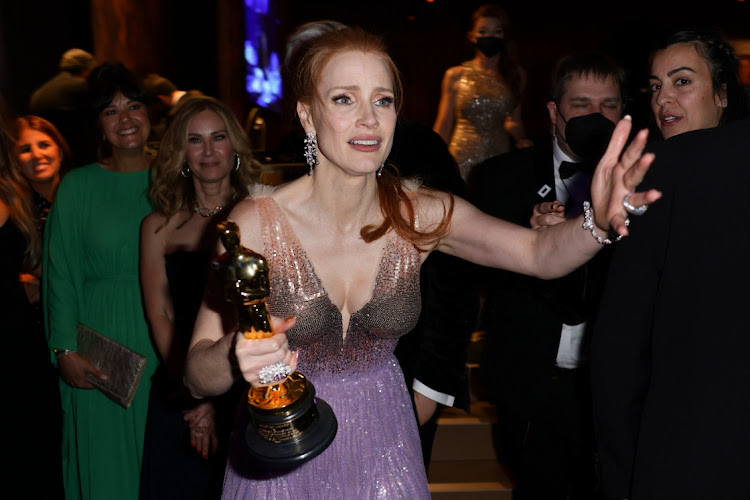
(588, 223)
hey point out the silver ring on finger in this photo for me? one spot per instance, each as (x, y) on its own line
(632, 210)
(199, 435)
(274, 373)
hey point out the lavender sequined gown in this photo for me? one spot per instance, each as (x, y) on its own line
(376, 453)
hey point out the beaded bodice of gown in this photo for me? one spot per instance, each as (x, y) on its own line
(376, 452)
(483, 102)
(373, 331)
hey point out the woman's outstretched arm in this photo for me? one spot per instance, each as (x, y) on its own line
(488, 241)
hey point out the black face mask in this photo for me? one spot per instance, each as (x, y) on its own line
(490, 45)
(588, 137)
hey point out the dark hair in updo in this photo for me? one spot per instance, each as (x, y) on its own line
(722, 62)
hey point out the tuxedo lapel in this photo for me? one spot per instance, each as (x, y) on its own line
(544, 175)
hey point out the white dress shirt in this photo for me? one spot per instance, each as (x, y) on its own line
(569, 350)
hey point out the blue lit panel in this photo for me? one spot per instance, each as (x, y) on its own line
(263, 70)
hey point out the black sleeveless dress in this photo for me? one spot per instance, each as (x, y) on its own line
(33, 399)
(171, 467)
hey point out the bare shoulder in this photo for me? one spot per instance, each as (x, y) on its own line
(153, 223)
(246, 214)
(453, 74)
(430, 205)
(456, 71)
(155, 231)
(157, 224)
(244, 211)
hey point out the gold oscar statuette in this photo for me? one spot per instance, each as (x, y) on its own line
(288, 424)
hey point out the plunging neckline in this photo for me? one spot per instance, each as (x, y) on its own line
(304, 256)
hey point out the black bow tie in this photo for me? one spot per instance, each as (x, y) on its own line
(568, 169)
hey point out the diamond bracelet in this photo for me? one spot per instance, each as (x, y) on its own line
(588, 223)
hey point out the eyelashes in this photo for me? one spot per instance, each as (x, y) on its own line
(341, 99)
(381, 102)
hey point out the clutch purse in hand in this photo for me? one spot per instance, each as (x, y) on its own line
(123, 366)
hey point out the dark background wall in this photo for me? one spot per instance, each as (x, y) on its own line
(198, 44)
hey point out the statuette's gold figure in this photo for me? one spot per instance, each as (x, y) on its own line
(244, 276)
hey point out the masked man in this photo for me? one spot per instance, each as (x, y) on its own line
(534, 364)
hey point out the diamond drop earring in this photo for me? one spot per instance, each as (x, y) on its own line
(311, 152)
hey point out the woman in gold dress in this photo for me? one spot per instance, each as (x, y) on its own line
(480, 112)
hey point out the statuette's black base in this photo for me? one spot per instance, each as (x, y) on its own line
(289, 437)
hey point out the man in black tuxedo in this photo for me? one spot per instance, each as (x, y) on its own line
(534, 363)
(670, 356)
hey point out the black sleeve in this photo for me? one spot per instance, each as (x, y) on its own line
(620, 345)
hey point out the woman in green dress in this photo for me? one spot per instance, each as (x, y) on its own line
(91, 277)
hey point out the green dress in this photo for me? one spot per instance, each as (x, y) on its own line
(91, 277)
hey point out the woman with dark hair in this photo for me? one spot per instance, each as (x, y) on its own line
(480, 104)
(344, 246)
(694, 83)
(203, 168)
(91, 277)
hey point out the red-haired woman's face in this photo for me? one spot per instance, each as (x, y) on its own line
(354, 116)
(39, 157)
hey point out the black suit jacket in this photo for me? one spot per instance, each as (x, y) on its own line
(671, 349)
(523, 316)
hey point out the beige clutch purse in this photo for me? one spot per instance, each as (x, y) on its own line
(123, 366)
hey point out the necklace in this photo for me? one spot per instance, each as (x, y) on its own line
(208, 212)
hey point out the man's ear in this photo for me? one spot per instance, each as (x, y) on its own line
(552, 108)
(303, 111)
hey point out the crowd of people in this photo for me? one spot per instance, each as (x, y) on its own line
(608, 378)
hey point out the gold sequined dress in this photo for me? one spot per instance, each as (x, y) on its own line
(376, 453)
(483, 102)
